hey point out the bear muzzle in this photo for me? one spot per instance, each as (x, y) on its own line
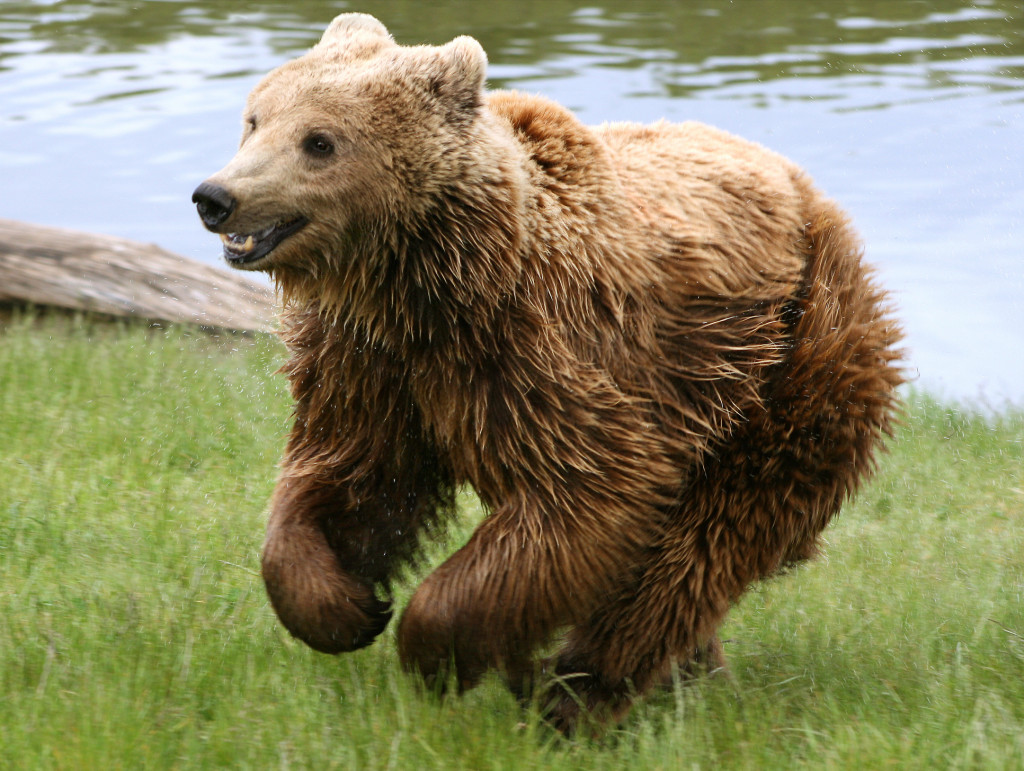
(216, 204)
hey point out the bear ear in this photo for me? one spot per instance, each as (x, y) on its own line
(355, 33)
(459, 73)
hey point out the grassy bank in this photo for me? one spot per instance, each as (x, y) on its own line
(134, 631)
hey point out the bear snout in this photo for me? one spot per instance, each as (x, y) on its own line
(214, 204)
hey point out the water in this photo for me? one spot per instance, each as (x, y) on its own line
(910, 113)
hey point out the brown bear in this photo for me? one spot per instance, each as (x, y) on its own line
(654, 352)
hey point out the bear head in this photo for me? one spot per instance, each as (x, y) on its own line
(356, 133)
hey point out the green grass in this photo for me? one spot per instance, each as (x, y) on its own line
(135, 467)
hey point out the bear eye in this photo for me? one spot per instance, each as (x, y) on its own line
(251, 122)
(318, 145)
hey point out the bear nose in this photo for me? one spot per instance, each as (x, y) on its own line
(214, 204)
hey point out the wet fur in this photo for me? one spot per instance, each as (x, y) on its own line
(653, 351)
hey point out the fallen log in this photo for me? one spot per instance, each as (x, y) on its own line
(54, 267)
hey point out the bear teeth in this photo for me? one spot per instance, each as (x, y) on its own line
(237, 242)
(245, 242)
(247, 249)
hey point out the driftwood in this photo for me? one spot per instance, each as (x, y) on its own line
(53, 267)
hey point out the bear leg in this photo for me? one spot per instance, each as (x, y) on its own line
(329, 608)
(503, 594)
(773, 487)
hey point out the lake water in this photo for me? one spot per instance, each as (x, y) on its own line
(910, 113)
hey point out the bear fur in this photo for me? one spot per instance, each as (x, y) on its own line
(654, 352)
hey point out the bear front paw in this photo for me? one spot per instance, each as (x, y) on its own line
(328, 609)
(435, 642)
(335, 621)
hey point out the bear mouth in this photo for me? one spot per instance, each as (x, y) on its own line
(246, 248)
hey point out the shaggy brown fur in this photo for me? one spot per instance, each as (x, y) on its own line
(653, 351)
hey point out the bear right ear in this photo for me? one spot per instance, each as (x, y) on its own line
(355, 34)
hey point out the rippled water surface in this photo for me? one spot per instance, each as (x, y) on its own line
(910, 113)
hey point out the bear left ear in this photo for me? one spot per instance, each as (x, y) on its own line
(459, 74)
